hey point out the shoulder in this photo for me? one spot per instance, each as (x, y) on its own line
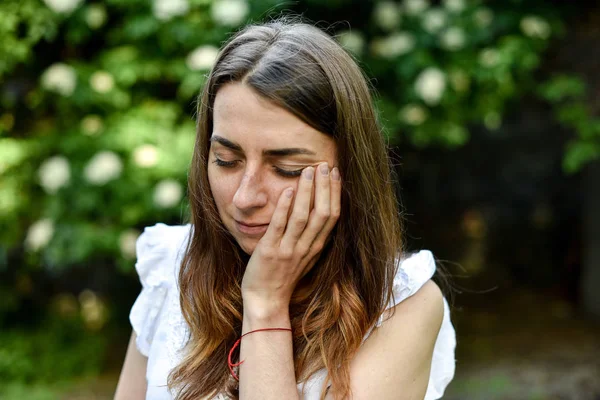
(424, 311)
(416, 296)
(398, 353)
(414, 270)
(161, 238)
(406, 349)
(418, 303)
(159, 249)
(413, 324)
(412, 345)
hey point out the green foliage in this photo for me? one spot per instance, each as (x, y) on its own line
(22, 25)
(96, 135)
(59, 350)
(97, 131)
(442, 69)
(568, 96)
(18, 391)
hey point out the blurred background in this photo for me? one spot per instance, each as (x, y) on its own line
(491, 110)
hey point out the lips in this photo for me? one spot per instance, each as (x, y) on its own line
(249, 224)
(251, 230)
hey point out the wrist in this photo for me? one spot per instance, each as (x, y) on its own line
(264, 315)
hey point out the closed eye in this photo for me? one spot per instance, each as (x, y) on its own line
(283, 172)
(286, 173)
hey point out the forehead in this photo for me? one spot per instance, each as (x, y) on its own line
(244, 117)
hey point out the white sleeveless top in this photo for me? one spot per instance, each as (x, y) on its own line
(161, 330)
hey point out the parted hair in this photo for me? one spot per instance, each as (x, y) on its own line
(302, 69)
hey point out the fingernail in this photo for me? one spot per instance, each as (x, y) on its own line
(308, 172)
(335, 174)
(289, 192)
(324, 169)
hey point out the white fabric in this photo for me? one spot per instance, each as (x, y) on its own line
(161, 330)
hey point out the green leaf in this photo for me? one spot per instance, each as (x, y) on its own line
(579, 153)
(562, 87)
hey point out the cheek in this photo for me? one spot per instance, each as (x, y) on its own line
(280, 187)
(275, 190)
(222, 187)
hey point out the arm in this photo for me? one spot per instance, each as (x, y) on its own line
(395, 361)
(132, 382)
(284, 254)
(268, 369)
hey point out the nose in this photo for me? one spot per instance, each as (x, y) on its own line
(251, 193)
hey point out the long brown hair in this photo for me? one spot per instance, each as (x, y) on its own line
(302, 69)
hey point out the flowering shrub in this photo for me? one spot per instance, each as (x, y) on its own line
(441, 68)
(97, 130)
(98, 99)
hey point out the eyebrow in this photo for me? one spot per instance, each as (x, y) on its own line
(292, 151)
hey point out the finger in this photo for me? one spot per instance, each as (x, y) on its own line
(336, 193)
(334, 212)
(311, 263)
(279, 219)
(301, 210)
(321, 210)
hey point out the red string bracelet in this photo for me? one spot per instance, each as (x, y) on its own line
(237, 343)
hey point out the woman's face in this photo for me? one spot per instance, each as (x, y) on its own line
(257, 150)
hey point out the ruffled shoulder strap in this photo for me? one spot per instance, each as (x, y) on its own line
(413, 272)
(159, 250)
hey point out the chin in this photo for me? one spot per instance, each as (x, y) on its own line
(247, 245)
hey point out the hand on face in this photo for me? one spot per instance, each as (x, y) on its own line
(291, 245)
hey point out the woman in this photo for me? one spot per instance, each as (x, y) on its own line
(294, 241)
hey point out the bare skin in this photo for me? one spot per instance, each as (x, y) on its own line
(132, 382)
(262, 144)
(394, 362)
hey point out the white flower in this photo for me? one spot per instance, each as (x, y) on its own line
(127, 242)
(430, 85)
(202, 58)
(39, 234)
(167, 193)
(145, 156)
(483, 17)
(102, 82)
(489, 57)
(229, 12)
(413, 114)
(352, 41)
(415, 7)
(54, 173)
(104, 167)
(167, 9)
(453, 39)
(434, 20)
(460, 81)
(395, 45)
(62, 6)
(387, 15)
(95, 15)
(536, 27)
(60, 78)
(93, 310)
(91, 125)
(455, 5)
